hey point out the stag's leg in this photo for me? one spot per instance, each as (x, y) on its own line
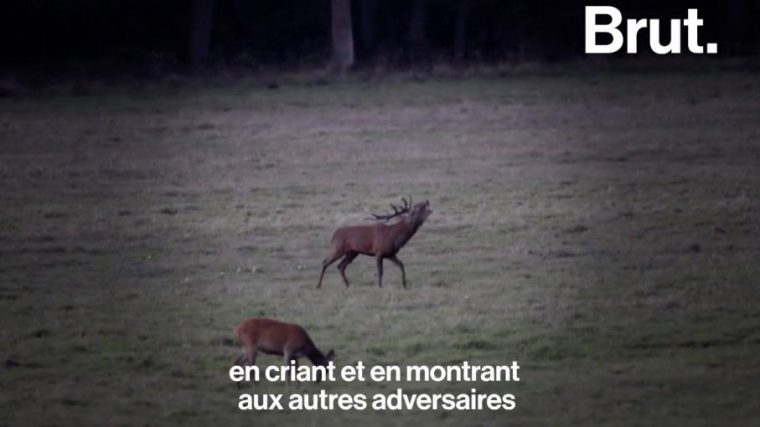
(326, 263)
(380, 271)
(401, 266)
(344, 263)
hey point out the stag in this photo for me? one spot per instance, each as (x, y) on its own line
(380, 240)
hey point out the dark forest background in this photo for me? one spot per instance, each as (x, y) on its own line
(51, 35)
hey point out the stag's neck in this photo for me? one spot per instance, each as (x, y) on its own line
(404, 230)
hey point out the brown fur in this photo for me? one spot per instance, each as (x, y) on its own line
(274, 337)
(378, 240)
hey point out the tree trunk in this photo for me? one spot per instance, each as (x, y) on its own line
(342, 35)
(417, 36)
(740, 31)
(200, 30)
(460, 30)
(367, 10)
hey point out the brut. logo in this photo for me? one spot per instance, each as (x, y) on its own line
(633, 26)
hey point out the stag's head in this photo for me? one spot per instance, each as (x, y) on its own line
(416, 214)
(420, 212)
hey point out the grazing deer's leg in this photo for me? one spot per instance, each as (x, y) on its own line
(401, 266)
(344, 263)
(239, 360)
(247, 358)
(252, 357)
(288, 356)
(326, 263)
(380, 271)
(295, 366)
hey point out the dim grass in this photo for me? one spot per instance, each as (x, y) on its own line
(601, 230)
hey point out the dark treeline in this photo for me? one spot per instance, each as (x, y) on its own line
(351, 32)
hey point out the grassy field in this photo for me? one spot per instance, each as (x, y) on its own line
(602, 230)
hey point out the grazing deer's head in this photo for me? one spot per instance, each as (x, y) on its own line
(324, 361)
(327, 358)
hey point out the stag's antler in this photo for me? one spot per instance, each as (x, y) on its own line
(397, 210)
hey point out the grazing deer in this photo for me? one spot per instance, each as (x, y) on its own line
(274, 337)
(378, 240)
